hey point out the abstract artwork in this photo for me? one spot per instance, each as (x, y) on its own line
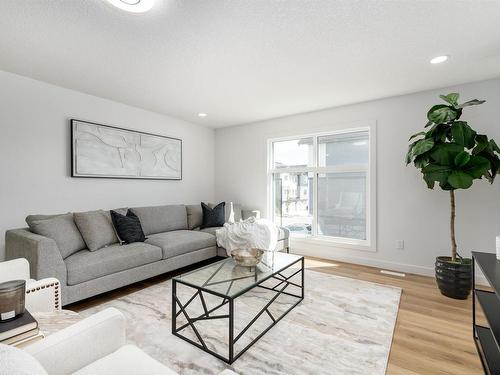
(111, 152)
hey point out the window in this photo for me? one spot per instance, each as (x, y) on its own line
(320, 185)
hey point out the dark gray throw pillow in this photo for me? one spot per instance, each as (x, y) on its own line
(213, 217)
(128, 227)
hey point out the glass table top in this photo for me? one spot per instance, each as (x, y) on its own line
(225, 278)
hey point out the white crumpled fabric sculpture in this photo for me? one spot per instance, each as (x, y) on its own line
(246, 234)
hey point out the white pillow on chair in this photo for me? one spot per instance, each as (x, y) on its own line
(14, 361)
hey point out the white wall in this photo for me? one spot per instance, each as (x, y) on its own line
(35, 154)
(406, 209)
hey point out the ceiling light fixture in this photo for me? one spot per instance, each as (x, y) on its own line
(134, 6)
(202, 114)
(439, 59)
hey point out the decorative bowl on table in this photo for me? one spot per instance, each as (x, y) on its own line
(247, 257)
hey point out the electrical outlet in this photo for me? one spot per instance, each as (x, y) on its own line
(400, 244)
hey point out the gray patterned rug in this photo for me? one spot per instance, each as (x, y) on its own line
(343, 326)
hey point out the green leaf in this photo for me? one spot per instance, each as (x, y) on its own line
(471, 102)
(462, 158)
(481, 144)
(421, 160)
(445, 153)
(460, 180)
(439, 173)
(430, 182)
(429, 123)
(463, 134)
(416, 135)
(445, 186)
(441, 113)
(477, 166)
(451, 98)
(494, 146)
(422, 146)
(409, 154)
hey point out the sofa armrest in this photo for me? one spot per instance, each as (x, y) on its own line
(80, 344)
(43, 295)
(246, 214)
(41, 252)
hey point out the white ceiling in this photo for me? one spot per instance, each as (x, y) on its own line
(247, 60)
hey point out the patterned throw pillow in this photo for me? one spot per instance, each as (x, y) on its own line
(128, 227)
(213, 217)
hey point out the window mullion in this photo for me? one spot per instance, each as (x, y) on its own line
(314, 225)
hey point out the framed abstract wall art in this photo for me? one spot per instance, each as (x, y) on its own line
(110, 152)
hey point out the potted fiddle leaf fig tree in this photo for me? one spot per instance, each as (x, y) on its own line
(452, 154)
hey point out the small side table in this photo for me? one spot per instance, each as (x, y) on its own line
(51, 322)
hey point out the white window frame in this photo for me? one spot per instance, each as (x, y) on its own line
(366, 245)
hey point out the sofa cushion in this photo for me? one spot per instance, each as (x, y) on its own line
(194, 216)
(127, 360)
(210, 230)
(180, 242)
(158, 219)
(96, 228)
(88, 265)
(62, 229)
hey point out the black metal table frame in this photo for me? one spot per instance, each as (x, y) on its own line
(283, 283)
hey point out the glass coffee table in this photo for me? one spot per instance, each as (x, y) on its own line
(238, 305)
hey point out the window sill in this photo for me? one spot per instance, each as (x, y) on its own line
(333, 242)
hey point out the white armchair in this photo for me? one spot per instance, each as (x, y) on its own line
(41, 295)
(96, 346)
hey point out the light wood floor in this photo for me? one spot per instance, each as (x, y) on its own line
(433, 333)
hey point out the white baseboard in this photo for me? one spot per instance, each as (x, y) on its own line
(377, 263)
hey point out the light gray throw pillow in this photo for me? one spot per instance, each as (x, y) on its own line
(194, 216)
(63, 230)
(96, 228)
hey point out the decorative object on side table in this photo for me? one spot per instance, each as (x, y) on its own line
(19, 330)
(452, 154)
(247, 257)
(12, 294)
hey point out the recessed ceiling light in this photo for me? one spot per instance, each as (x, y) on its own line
(134, 6)
(439, 59)
(202, 114)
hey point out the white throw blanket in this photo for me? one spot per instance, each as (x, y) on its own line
(249, 233)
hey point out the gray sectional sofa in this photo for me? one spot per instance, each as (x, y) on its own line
(88, 259)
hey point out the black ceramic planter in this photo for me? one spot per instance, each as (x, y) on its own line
(454, 279)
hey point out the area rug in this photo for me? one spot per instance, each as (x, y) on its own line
(343, 326)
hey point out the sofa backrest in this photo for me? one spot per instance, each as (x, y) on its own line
(158, 219)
